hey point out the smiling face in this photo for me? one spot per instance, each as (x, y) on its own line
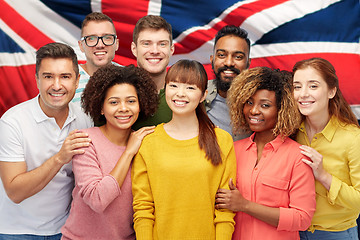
(100, 54)
(57, 82)
(231, 56)
(121, 107)
(312, 93)
(153, 50)
(260, 112)
(183, 98)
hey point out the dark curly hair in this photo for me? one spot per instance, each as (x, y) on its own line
(92, 99)
(248, 82)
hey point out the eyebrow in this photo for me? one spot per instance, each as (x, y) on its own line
(50, 73)
(266, 100)
(132, 96)
(223, 50)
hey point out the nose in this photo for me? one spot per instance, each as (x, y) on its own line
(229, 61)
(56, 84)
(254, 109)
(123, 107)
(304, 92)
(154, 48)
(100, 43)
(180, 92)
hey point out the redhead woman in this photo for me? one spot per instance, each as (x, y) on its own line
(275, 194)
(102, 199)
(330, 135)
(180, 166)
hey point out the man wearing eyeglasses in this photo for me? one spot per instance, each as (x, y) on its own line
(99, 43)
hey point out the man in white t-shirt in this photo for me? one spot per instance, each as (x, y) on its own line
(38, 139)
(99, 43)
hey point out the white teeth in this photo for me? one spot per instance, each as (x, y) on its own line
(228, 72)
(305, 103)
(154, 60)
(100, 53)
(255, 120)
(123, 118)
(56, 94)
(180, 103)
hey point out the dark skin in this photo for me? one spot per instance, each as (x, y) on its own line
(261, 114)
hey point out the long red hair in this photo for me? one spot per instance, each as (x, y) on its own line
(338, 106)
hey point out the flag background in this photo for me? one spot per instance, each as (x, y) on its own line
(282, 32)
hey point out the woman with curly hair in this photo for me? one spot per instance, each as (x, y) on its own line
(102, 198)
(275, 194)
(179, 167)
(330, 135)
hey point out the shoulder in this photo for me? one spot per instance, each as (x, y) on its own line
(93, 132)
(20, 113)
(82, 119)
(241, 142)
(157, 134)
(290, 151)
(224, 138)
(348, 129)
(212, 92)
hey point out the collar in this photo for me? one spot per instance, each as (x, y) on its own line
(40, 116)
(37, 112)
(274, 144)
(329, 130)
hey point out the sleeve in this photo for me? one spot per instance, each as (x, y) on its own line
(302, 200)
(143, 202)
(340, 192)
(96, 190)
(224, 219)
(11, 148)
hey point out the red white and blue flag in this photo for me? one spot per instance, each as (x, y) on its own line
(282, 32)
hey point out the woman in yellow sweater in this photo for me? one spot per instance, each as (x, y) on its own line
(180, 166)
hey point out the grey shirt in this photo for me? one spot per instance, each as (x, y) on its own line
(218, 111)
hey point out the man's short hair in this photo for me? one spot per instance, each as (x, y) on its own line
(96, 17)
(56, 50)
(231, 30)
(151, 22)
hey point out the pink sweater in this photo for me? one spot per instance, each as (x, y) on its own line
(100, 209)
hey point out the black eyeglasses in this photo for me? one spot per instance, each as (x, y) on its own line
(92, 41)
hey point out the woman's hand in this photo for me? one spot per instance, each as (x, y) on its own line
(134, 142)
(316, 165)
(136, 138)
(230, 199)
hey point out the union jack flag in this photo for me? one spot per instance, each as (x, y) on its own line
(282, 32)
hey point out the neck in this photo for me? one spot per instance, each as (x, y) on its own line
(119, 137)
(262, 138)
(60, 115)
(222, 93)
(89, 69)
(316, 124)
(159, 80)
(183, 127)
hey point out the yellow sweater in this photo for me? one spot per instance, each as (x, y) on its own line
(174, 188)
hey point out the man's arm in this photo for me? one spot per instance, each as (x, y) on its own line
(21, 184)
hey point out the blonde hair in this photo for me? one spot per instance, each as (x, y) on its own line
(248, 82)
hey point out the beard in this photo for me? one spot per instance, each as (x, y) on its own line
(221, 84)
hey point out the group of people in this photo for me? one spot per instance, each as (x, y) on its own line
(146, 153)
